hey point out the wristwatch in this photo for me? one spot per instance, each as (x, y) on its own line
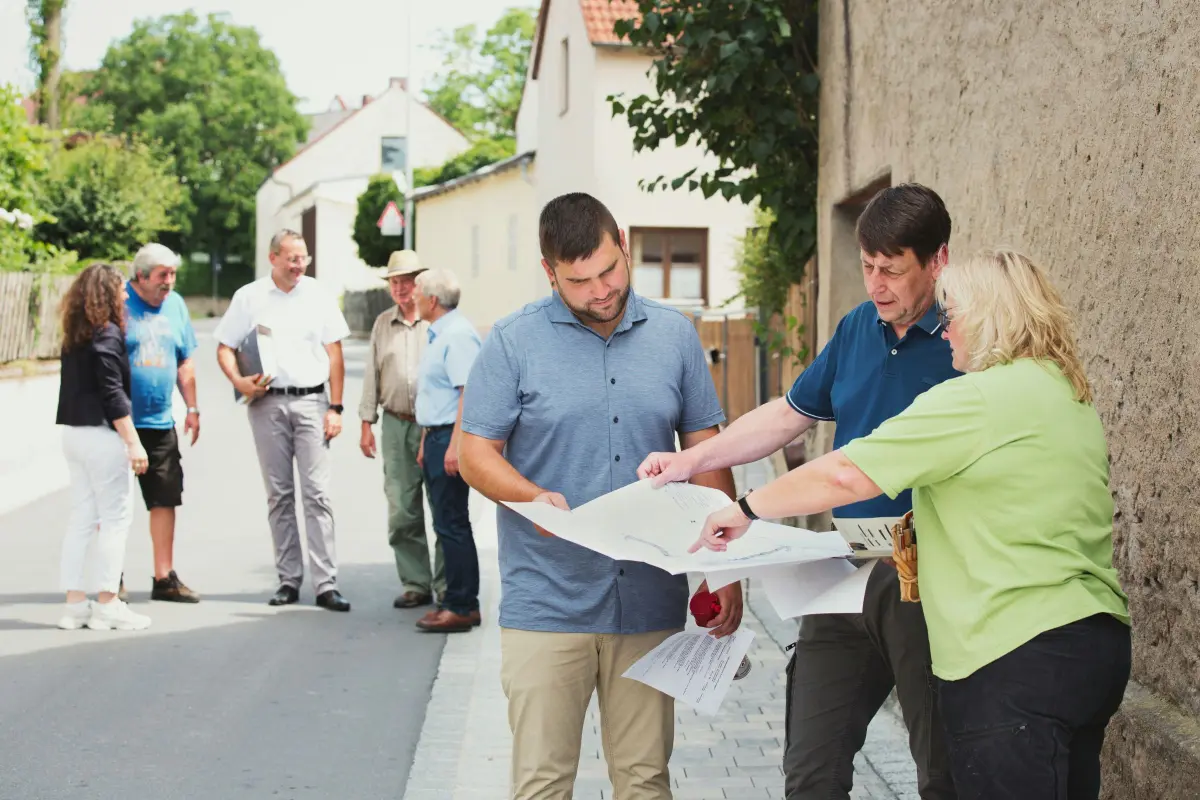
(338, 407)
(745, 506)
(193, 410)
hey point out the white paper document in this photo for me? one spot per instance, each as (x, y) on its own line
(657, 526)
(868, 538)
(694, 666)
(835, 586)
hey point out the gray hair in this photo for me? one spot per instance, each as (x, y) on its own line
(151, 256)
(440, 284)
(282, 236)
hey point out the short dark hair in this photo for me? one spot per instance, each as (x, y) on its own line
(905, 216)
(572, 226)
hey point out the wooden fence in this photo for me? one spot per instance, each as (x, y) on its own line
(29, 326)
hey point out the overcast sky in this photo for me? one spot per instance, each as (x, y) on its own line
(326, 48)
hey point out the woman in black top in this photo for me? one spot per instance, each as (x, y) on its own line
(101, 446)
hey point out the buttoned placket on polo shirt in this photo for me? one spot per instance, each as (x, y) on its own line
(894, 344)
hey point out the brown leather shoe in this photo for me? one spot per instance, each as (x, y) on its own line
(172, 590)
(445, 621)
(412, 600)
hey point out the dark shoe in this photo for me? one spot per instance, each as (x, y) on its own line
(285, 596)
(476, 618)
(412, 600)
(122, 595)
(172, 590)
(445, 621)
(333, 600)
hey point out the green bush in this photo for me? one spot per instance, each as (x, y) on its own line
(373, 247)
(107, 198)
(24, 154)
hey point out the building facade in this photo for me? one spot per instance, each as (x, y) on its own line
(316, 192)
(1069, 131)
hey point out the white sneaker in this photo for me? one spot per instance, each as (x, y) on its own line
(116, 616)
(75, 616)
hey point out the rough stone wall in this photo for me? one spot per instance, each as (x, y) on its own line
(1072, 132)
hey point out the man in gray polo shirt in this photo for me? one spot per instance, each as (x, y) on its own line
(566, 398)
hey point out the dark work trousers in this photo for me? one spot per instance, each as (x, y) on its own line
(843, 669)
(1030, 724)
(452, 524)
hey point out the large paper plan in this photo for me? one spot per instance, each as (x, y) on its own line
(657, 526)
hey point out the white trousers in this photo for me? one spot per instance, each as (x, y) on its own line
(93, 554)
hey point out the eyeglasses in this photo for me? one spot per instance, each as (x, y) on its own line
(300, 261)
(943, 318)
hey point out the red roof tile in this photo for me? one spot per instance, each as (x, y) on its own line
(601, 15)
(598, 15)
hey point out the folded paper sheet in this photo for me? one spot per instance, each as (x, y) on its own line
(657, 526)
(694, 666)
(868, 538)
(820, 587)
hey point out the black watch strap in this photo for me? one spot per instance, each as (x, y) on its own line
(338, 407)
(745, 506)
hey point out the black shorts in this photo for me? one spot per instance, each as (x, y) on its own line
(162, 482)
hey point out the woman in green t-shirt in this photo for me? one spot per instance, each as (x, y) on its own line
(1028, 626)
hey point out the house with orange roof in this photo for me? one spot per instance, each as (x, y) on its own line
(484, 225)
(316, 191)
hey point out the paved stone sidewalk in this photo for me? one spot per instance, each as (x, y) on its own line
(463, 753)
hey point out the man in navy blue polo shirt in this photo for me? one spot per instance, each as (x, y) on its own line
(883, 354)
(566, 397)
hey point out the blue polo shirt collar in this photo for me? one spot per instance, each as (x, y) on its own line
(634, 312)
(928, 323)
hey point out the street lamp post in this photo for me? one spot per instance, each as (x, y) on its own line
(408, 145)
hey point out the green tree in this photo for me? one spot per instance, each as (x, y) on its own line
(480, 154)
(213, 98)
(479, 86)
(107, 197)
(739, 78)
(45, 19)
(24, 159)
(373, 247)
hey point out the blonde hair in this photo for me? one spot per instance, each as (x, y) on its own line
(1008, 309)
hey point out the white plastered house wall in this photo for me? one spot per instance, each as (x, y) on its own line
(331, 171)
(483, 228)
(581, 146)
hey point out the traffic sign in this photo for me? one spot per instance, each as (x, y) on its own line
(391, 221)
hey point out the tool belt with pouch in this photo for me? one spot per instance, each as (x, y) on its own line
(904, 553)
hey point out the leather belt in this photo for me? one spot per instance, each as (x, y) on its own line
(405, 417)
(295, 390)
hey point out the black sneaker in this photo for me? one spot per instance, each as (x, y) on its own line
(172, 590)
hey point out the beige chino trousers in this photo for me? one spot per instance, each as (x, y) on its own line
(549, 678)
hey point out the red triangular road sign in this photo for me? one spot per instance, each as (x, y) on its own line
(390, 214)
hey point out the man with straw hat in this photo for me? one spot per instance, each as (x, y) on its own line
(398, 338)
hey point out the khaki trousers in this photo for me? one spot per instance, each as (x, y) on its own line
(402, 482)
(549, 678)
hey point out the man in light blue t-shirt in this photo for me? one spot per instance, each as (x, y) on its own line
(161, 341)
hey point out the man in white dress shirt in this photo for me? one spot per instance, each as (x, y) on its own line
(297, 412)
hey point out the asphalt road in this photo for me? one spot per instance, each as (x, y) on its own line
(229, 698)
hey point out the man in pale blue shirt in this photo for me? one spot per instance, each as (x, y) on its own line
(445, 364)
(568, 395)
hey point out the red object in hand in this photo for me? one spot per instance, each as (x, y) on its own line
(705, 606)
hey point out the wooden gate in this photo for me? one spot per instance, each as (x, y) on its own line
(732, 351)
